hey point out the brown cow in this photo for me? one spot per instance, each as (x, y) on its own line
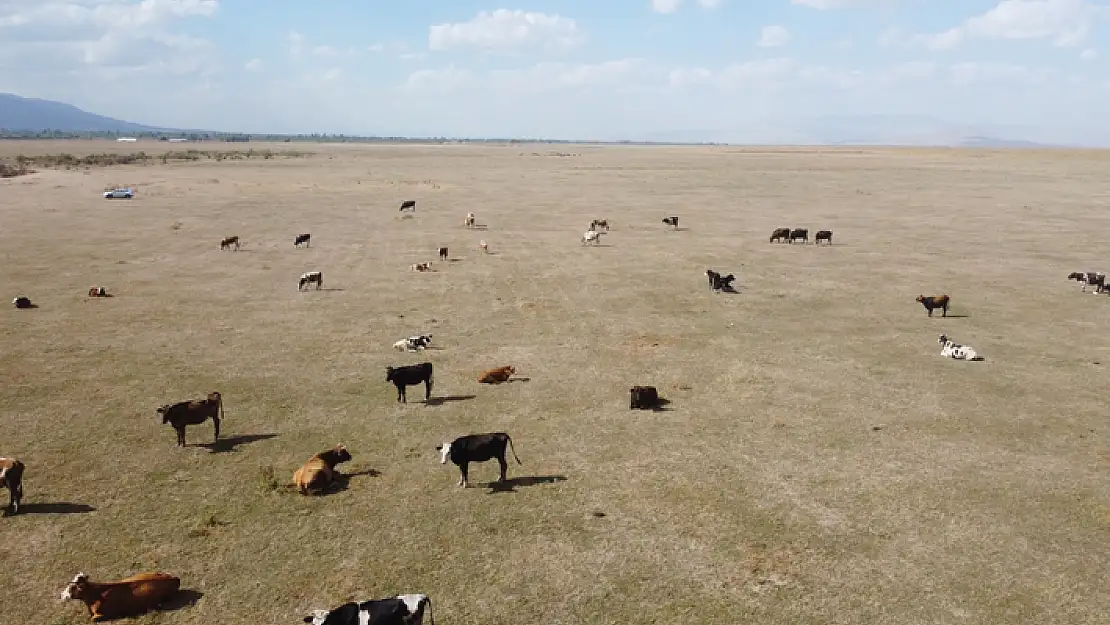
(128, 597)
(193, 412)
(318, 474)
(98, 291)
(228, 242)
(11, 477)
(497, 376)
(934, 301)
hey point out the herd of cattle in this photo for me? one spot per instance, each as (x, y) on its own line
(144, 592)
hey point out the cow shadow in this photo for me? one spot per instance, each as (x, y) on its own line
(330, 289)
(453, 260)
(29, 306)
(511, 380)
(731, 290)
(184, 598)
(342, 481)
(950, 316)
(439, 401)
(225, 445)
(683, 229)
(661, 404)
(58, 507)
(479, 227)
(510, 485)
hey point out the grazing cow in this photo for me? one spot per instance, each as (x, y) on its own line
(398, 610)
(427, 266)
(497, 376)
(132, 596)
(98, 291)
(718, 282)
(780, 235)
(1078, 276)
(303, 238)
(193, 412)
(11, 477)
(310, 277)
(21, 302)
(409, 205)
(799, 233)
(644, 397)
(671, 221)
(934, 301)
(1095, 279)
(469, 220)
(443, 253)
(950, 349)
(228, 242)
(318, 473)
(410, 375)
(477, 448)
(592, 236)
(413, 343)
(823, 235)
(482, 244)
(599, 223)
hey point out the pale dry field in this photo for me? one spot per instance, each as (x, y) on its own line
(819, 462)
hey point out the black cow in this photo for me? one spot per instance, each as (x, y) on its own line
(410, 375)
(718, 282)
(671, 221)
(408, 205)
(398, 610)
(477, 448)
(799, 233)
(443, 253)
(823, 235)
(21, 302)
(780, 234)
(302, 238)
(644, 397)
(193, 412)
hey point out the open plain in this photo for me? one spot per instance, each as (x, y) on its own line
(819, 461)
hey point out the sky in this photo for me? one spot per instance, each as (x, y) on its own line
(561, 69)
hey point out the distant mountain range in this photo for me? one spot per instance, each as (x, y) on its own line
(33, 115)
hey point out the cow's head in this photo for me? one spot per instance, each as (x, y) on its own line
(318, 617)
(921, 298)
(77, 588)
(164, 410)
(340, 454)
(510, 370)
(389, 373)
(444, 452)
(943, 340)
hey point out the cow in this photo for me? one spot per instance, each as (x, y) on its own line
(305, 238)
(409, 205)
(1095, 279)
(443, 253)
(799, 233)
(468, 222)
(485, 247)
(410, 375)
(311, 277)
(934, 301)
(131, 596)
(21, 302)
(426, 266)
(823, 235)
(780, 234)
(671, 221)
(228, 242)
(11, 477)
(950, 349)
(497, 376)
(592, 236)
(599, 223)
(1078, 276)
(193, 412)
(477, 448)
(413, 343)
(718, 282)
(397, 610)
(98, 291)
(643, 398)
(318, 473)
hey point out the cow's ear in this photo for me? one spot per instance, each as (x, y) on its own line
(309, 619)
(439, 447)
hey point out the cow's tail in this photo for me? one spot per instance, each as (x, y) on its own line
(221, 406)
(513, 449)
(431, 617)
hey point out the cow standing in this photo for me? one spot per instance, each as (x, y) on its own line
(780, 234)
(718, 282)
(409, 205)
(228, 242)
(11, 477)
(477, 448)
(410, 375)
(311, 277)
(193, 412)
(643, 398)
(21, 302)
(318, 473)
(592, 236)
(799, 233)
(132, 596)
(397, 610)
(305, 238)
(599, 223)
(935, 301)
(823, 235)
(443, 253)
(671, 221)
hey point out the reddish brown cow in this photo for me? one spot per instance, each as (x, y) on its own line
(497, 376)
(11, 477)
(934, 301)
(317, 475)
(128, 597)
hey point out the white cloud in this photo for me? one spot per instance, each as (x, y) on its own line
(709, 4)
(835, 4)
(443, 79)
(375, 47)
(766, 72)
(773, 37)
(979, 73)
(253, 65)
(296, 43)
(665, 6)
(1089, 54)
(1065, 23)
(504, 29)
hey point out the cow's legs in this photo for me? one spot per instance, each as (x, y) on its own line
(504, 466)
(464, 480)
(427, 389)
(216, 423)
(180, 436)
(944, 312)
(401, 395)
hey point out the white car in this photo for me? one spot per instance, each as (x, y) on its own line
(115, 193)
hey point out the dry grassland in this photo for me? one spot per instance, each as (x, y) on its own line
(819, 462)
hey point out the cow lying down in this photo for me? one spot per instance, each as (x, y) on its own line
(398, 610)
(951, 349)
(131, 596)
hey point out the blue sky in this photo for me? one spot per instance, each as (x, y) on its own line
(562, 69)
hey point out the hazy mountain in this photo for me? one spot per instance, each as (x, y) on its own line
(29, 114)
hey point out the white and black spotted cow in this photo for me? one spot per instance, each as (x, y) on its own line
(951, 349)
(413, 343)
(398, 610)
(312, 277)
(592, 236)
